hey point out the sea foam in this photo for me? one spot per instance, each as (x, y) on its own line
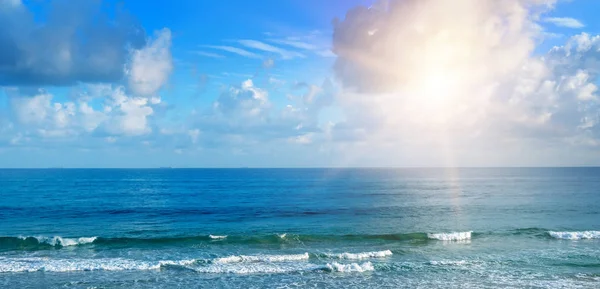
(575, 235)
(358, 256)
(217, 237)
(68, 265)
(448, 263)
(353, 267)
(60, 241)
(262, 258)
(287, 267)
(34, 264)
(455, 236)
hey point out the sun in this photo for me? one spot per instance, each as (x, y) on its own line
(433, 95)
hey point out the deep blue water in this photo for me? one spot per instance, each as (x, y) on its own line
(189, 228)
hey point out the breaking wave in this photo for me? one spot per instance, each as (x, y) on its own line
(575, 235)
(359, 256)
(56, 242)
(262, 258)
(256, 266)
(455, 236)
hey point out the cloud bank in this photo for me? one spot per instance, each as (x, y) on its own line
(462, 77)
(76, 43)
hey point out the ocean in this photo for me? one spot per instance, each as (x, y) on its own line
(297, 228)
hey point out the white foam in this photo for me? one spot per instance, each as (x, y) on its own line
(262, 258)
(282, 236)
(60, 241)
(13, 265)
(287, 267)
(448, 263)
(353, 267)
(217, 237)
(359, 256)
(67, 265)
(575, 235)
(178, 263)
(255, 268)
(454, 236)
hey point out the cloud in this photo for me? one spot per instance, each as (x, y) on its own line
(415, 76)
(268, 63)
(151, 65)
(295, 43)
(209, 54)
(234, 50)
(77, 42)
(285, 54)
(243, 115)
(315, 42)
(326, 53)
(129, 114)
(96, 110)
(565, 22)
(243, 101)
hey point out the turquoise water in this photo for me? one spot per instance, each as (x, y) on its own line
(286, 228)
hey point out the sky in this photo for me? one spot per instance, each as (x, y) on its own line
(299, 83)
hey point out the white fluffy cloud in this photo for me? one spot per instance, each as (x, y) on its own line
(244, 101)
(243, 115)
(151, 65)
(101, 109)
(419, 74)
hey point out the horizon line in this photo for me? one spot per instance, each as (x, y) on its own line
(330, 167)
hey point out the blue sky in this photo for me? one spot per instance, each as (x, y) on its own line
(299, 83)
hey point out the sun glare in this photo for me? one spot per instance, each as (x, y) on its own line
(433, 94)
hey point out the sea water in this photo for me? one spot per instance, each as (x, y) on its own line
(288, 228)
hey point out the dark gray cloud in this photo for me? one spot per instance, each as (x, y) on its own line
(76, 42)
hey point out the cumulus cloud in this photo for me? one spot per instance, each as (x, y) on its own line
(243, 101)
(423, 73)
(244, 114)
(77, 42)
(106, 110)
(564, 22)
(151, 65)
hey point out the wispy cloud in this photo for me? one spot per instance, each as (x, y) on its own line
(565, 22)
(285, 54)
(325, 53)
(208, 54)
(235, 50)
(295, 43)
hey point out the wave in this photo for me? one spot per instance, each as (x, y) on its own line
(359, 256)
(63, 242)
(57, 242)
(62, 265)
(271, 268)
(18, 265)
(448, 263)
(575, 235)
(353, 267)
(41, 242)
(44, 243)
(455, 236)
(262, 258)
